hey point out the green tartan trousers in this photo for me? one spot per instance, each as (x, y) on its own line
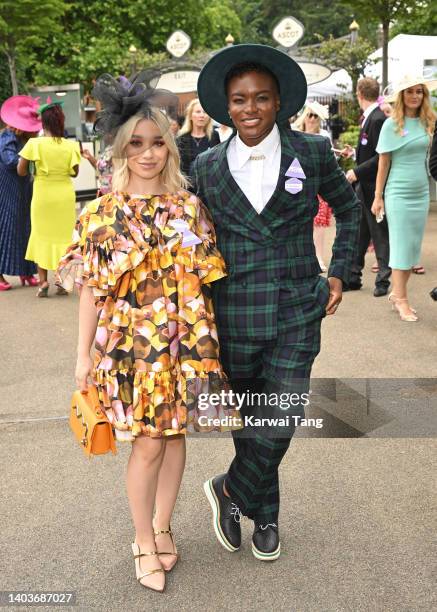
(281, 366)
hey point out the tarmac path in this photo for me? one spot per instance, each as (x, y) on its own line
(357, 519)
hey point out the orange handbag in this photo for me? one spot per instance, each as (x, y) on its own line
(89, 424)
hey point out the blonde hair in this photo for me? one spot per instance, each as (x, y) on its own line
(426, 114)
(187, 126)
(172, 177)
(299, 124)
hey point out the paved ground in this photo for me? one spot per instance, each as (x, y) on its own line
(356, 517)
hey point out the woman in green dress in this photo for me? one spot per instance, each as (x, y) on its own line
(402, 187)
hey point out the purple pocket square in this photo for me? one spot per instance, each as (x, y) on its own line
(293, 185)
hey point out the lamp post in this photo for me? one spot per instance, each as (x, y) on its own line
(133, 55)
(353, 29)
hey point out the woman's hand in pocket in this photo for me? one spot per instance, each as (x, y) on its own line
(335, 294)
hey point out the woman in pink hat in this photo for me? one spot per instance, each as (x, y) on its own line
(19, 115)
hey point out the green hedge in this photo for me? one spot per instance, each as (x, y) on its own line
(350, 136)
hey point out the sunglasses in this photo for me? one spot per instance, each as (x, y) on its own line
(312, 116)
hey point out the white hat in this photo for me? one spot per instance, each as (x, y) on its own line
(318, 109)
(409, 80)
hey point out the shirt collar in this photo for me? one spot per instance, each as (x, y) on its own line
(266, 147)
(369, 110)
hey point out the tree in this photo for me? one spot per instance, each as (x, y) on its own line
(386, 11)
(323, 18)
(24, 23)
(220, 20)
(340, 53)
(96, 36)
(252, 19)
(5, 82)
(423, 21)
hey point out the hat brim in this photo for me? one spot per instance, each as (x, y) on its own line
(19, 112)
(211, 83)
(318, 109)
(431, 85)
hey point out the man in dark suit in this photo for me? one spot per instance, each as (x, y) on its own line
(261, 188)
(363, 176)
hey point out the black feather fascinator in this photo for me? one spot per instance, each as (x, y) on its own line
(122, 98)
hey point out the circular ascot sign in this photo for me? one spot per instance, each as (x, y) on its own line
(178, 43)
(288, 32)
(314, 73)
(178, 81)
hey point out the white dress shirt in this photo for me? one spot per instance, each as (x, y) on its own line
(256, 169)
(367, 112)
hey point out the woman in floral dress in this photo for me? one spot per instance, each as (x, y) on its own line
(144, 255)
(103, 167)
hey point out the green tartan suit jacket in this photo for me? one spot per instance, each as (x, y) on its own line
(274, 250)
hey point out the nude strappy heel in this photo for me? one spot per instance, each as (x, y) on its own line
(411, 318)
(140, 575)
(173, 554)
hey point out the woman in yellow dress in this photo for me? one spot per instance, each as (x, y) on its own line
(53, 213)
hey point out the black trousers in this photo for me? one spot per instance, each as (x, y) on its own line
(253, 478)
(378, 233)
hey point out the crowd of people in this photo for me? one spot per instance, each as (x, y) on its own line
(200, 235)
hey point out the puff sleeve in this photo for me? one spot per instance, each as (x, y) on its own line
(209, 261)
(30, 150)
(75, 156)
(71, 268)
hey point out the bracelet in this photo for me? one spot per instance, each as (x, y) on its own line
(378, 195)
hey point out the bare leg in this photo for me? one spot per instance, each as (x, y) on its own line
(400, 281)
(169, 482)
(319, 243)
(42, 277)
(142, 479)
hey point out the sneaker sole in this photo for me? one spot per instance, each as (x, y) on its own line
(213, 501)
(266, 556)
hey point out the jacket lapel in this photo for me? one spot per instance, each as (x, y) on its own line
(291, 149)
(233, 201)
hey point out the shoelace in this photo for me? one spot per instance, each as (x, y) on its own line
(264, 527)
(236, 513)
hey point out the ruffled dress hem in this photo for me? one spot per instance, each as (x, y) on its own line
(161, 394)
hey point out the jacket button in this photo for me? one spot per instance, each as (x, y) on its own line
(243, 284)
(276, 280)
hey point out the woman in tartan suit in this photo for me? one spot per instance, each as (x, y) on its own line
(261, 188)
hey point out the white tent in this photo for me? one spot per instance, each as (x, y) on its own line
(337, 84)
(407, 54)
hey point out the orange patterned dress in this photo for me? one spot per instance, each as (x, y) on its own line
(156, 348)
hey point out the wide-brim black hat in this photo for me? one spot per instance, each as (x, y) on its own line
(211, 83)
